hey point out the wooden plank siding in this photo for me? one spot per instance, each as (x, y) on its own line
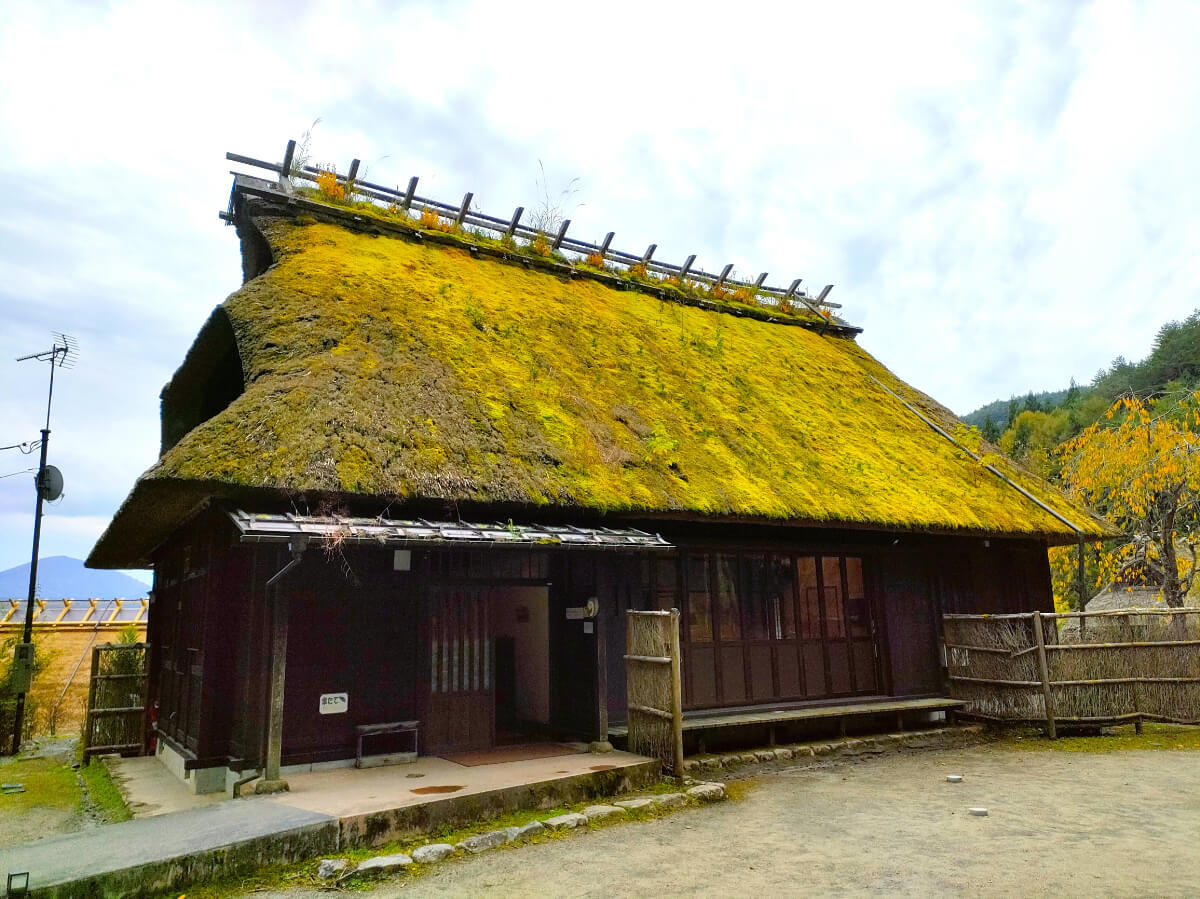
(769, 616)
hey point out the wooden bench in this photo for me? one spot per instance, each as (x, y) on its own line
(377, 730)
(722, 719)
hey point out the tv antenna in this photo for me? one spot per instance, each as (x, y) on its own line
(63, 353)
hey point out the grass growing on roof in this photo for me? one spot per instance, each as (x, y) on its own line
(379, 366)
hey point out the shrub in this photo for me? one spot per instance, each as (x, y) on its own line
(327, 184)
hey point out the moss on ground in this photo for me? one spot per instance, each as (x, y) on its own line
(1154, 737)
(382, 367)
(106, 799)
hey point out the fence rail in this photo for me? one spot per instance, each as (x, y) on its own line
(654, 687)
(1076, 668)
(462, 214)
(116, 711)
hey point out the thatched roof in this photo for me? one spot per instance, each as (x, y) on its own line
(402, 370)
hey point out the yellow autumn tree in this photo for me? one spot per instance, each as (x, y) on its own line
(1140, 466)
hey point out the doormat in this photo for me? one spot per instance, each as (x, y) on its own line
(513, 754)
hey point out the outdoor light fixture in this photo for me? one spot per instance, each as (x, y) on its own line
(18, 884)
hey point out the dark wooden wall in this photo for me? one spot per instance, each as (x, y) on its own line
(356, 625)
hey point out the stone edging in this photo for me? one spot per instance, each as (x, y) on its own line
(847, 747)
(341, 869)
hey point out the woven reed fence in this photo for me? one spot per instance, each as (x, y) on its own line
(116, 712)
(1077, 668)
(653, 687)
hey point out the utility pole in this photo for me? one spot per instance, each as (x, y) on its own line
(49, 486)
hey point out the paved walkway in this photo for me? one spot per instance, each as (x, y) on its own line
(325, 811)
(137, 855)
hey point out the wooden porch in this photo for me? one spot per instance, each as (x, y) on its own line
(698, 725)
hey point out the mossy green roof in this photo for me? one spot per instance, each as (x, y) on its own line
(383, 367)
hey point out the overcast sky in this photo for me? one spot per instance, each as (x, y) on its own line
(1004, 195)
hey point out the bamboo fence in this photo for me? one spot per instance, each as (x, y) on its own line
(116, 712)
(654, 688)
(1113, 667)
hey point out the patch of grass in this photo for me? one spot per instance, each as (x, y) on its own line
(105, 796)
(1116, 739)
(736, 790)
(48, 784)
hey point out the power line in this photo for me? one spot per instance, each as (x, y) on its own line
(27, 447)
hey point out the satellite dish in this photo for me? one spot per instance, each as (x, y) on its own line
(49, 483)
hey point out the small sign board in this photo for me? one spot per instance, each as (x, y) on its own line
(334, 703)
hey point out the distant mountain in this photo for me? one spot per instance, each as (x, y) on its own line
(998, 411)
(62, 577)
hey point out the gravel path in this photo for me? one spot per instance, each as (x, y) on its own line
(1059, 824)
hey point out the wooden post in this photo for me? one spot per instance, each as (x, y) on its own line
(687, 266)
(676, 693)
(88, 718)
(724, 274)
(759, 283)
(562, 233)
(1127, 637)
(649, 253)
(463, 209)
(1044, 671)
(605, 243)
(285, 170)
(352, 175)
(272, 782)
(408, 194)
(601, 680)
(512, 225)
(791, 291)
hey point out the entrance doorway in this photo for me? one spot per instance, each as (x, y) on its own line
(488, 667)
(520, 619)
(460, 703)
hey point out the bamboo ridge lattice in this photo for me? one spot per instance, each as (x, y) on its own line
(1077, 668)
(411, 204)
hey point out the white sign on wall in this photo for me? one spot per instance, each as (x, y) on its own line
(334, 703)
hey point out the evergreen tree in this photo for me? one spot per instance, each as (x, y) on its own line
(1072, 395)
(990, 430)
(1013, 412)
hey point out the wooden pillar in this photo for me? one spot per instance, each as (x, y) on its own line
(601, 680)
(1083, 598)
(1044, 671)
(676, 694)
(272, 782)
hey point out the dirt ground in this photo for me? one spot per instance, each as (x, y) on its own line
(1059, 824)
